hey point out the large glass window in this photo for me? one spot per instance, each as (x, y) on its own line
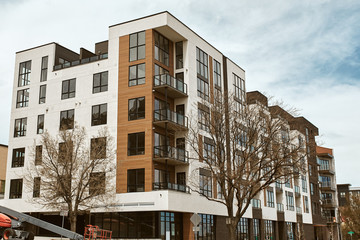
(256, 229)
(289, 231)
(179, 55)
(137, 46)
(22, 98)
(36, 187)
(242, 230)
(98, 148)
(289, 201)
(136, 180)
(18, 157)
(136, 108)
(100, 82)
(206, 227)
(202, 63)
(24, 73)
(306, 204)
(137, 74)
(205, 182)
(20, 127)
(269, 229)
(203, 118)
(40, 124)
(209, 150)
(304, 183)
(270, 197)
(99, 114)
(203, 89)
(68, 89)
(136, 144)
(97, 183)
(42, 94)
(161, 48)
(67, 119)
(16, 186)
(240, 93)
(44, 69)
(217, 74)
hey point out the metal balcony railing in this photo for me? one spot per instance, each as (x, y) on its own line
(171, 186)
(173, 117)
(168, 81)
(280, 207)
(81, 61)
(171, 152)
(327, 185)
(256, 203)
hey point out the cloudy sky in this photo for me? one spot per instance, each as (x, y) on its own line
(306, 53)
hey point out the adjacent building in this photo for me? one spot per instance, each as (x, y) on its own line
(146, 83)
(3, 160)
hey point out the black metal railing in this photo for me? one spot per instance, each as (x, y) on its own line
(171, 152)
(81, 61)
(168, 115)
(166, 79)
(171, 186)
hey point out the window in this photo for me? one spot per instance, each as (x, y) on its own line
(42, 94)
(98, 148)
(240, 94)
(136, 108)
(310, 170)
(289, 231)
(304, 183)
(2, 189)
(16, 188)
(289, 201)
(217, 74)
(40, 124)
(269, 229)
(220, 194)
(179, 55)
(67, 119)
(68, 89)
(161, 48)
(203, 89)
(137, 74)
(242, 229)
(306, 204)
(65, 152)
(342, 194)
(38, 155)
(97, 183)
(256, 229)
(20, 127)
(270, 198)
(99, 114)
(209, 150)
(203, 117)
(24, 73)
(22, 99)
(44, 68)
(136, 144)
(160, 70)
(137, 46)
(206, 227)
(100, 82)
(202, 63)
(18, 157)
(136, 180)
(205, 182)
(36, 188)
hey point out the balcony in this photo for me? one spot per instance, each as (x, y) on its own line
(81, 61)
(326, 169)
(297, 191)
(173, 155)
(278, 187)
(171, 86)
(298, 210)
(256, 203)
(175, 121)
(171, 186)
(327, 186)
(280, 207)
(328, 203)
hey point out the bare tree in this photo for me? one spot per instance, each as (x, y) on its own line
(350, 214)
(71, 171)
(244, 149)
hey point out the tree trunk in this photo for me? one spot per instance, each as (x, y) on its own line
(232, 231)
(73, 219)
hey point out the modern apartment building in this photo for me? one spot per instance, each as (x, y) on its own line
(327, 180)
(3, 160)
(146, 84)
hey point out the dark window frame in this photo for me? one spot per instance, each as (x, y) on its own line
(24, 98)
(138, 80)
(137, 46)
(44, 68)
(16, 186)
(38, 155)
(139, 184)
(179, 59)
(161, 49)
(36, 187)
(42, 94)
(67, 122)
(68, 93)
(103, 82)
(98, 115)
(21, 131)
(217, 74)
(204, 119)
(137, 105)
(24, 75)
(97, 183)
(270, 199)
(98, 148)
(40, 124)
(205, 184)
(137, 150)
(18, 157)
